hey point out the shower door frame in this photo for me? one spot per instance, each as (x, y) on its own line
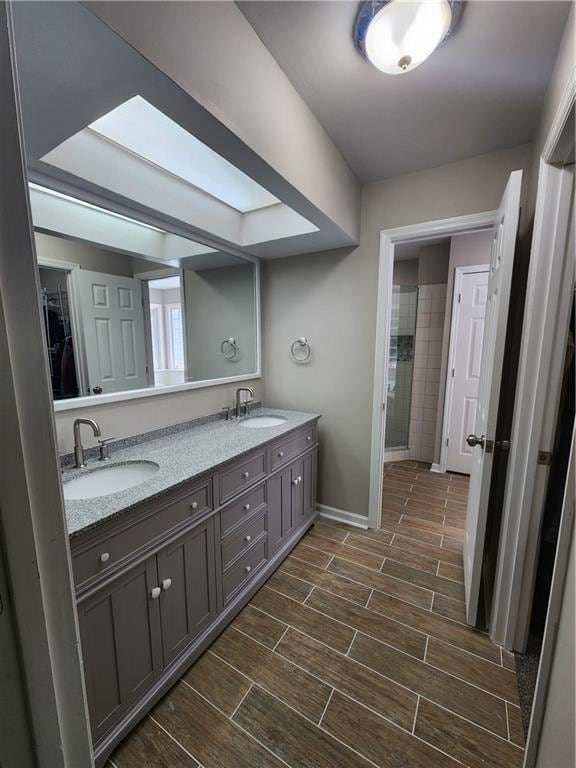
(389, 239)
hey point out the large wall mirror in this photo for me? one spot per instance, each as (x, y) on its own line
(130, 309)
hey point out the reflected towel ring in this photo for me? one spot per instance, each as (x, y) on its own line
(300, 350)
(229, 348)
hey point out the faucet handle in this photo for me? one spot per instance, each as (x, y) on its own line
(105, 448)
(228, 411)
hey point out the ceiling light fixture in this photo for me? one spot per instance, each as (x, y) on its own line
(396, 36)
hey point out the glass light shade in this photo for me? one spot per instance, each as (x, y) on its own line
(405, 32)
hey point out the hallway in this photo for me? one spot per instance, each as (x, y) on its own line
(354, 654)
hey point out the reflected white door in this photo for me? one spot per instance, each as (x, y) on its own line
(497, 301)
(470, 294)
(112, 316)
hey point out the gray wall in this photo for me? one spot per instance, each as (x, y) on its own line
(86, 255)
(331, 298)
(220, 303)
(433, 264)
(406, 272)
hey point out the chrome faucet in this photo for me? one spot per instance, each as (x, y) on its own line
(78, 447)
(239, 403)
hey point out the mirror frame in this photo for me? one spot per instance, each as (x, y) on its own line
(158, 220)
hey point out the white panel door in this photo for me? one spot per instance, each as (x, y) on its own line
(497, 301)
(470, 294)
(113, 331)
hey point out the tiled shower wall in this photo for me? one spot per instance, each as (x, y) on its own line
(426, 377)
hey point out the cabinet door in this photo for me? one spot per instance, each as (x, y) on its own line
(120, 634)
(187, 577)
(298, 492)
(280, 521)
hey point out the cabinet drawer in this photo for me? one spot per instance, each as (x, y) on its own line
(285, 451)
(240, 475)
(235, 544)
(103, 555)
(244, 568)
(241, 509)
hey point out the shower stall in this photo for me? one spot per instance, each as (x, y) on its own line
(400, 368)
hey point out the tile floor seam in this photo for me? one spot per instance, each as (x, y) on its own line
(170, 736)
(415, 715)
(507, 722)
(277, 643)
(326, 707)
(351, 643)
(384, 557)
(237, 725)
(236, 708)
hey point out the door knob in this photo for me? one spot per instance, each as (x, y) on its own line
(473, 441)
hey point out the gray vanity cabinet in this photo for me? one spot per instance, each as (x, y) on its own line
(187, 579)
(154, 587)
(121, 644)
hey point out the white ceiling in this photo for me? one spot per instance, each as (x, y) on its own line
(480, 92)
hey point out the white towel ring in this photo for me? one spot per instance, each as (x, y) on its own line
(300, 350)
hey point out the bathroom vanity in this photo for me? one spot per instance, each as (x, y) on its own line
(162, 567)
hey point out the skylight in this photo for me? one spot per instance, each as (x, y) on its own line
(142, 129)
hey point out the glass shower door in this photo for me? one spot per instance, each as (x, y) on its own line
(400, 366)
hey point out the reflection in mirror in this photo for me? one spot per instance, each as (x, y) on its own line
(128, 306)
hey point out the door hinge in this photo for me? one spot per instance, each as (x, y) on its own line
(545, 458)
(447, 441)
(459, 298)
(453, 369)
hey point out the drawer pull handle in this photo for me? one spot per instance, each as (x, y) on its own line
(166, 584)
(246, 507)
(155, 594)
(248, 539)
(280, 453)
(104, 557)
(246, 475)
(194, 505)
(248, 568)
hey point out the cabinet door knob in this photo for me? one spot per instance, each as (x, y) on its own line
(299, 478)
(247, 507)
(166, 584)
(280, 453)
(295, 481)
(155, 594)
(194, 505)
(248, 568)
(308, 437)
(104, 557)
(246, 474)
(248, 539)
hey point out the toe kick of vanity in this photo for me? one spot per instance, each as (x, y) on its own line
(157, 583)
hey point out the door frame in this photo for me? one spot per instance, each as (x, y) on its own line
(389, 239)
(449, 390)
(545, 327)
(71, 270)
(36, 552)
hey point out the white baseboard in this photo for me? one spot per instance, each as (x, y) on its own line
(342, 516)
(398, 455)
(436, 468)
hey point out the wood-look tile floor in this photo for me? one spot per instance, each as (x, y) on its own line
(354, 654)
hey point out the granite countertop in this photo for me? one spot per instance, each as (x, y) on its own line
(180, 457)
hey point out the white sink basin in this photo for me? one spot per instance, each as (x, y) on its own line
(106, 480)
(257, 422)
